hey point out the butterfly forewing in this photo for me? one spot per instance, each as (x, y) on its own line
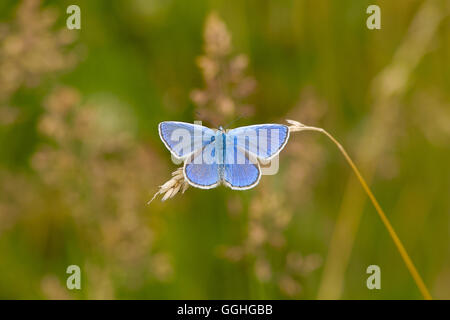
(263, 141)
(184, 139)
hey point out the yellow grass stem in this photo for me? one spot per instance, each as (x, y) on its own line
(401, 249)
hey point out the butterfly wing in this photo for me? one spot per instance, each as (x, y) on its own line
(263, 141)
(184, 139)
(237, 164)
(240, 171)
(201, 169)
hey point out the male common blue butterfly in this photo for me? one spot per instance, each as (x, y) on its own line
(232, 157)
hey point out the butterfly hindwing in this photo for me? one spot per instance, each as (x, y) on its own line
(201, 169)
(240, 171)
(184, 139)
(263, 141)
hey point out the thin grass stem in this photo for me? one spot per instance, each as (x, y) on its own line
(296, 127)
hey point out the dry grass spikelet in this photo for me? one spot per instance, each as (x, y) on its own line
(295, 126)
(169, 189)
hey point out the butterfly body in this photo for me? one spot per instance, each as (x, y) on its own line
(230, 157)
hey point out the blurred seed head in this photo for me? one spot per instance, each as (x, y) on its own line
(289, 286)
(32, 48)
(53, 289)
(226, 85)
(216, 35)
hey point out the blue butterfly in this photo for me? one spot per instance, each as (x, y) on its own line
(230, 157)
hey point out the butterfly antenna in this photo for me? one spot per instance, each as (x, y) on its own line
(201, 116)
(230, 123)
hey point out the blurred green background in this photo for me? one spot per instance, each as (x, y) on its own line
(80, 152)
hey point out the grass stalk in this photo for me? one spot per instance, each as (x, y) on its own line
(296, 127)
